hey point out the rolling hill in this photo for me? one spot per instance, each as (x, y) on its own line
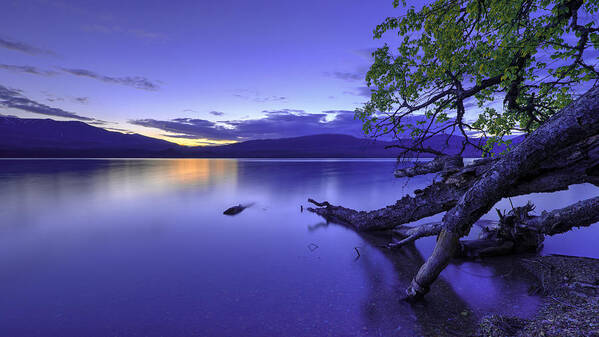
(43, 138)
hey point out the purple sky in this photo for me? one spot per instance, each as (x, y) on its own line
(201, 71)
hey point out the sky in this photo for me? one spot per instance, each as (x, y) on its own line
(192, 72)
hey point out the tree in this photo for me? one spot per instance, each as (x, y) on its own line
(455, 60)
(455, 54)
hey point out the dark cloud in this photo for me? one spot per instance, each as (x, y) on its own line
(82, 100)
(276, 124)
(23, 47)
(13, 98)
(366, 52)
(132, 81)
(339, 112)
(360, 91)
(199, 128)
(54, 99)
(471, 104)
(28, 70)
(346, 76)
(181, 136)
(120, 130)
(213, 112)
(137, 82)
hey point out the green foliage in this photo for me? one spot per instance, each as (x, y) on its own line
(456, 53)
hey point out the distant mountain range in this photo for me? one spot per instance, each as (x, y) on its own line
(44, 138)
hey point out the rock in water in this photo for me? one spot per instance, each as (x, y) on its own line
(234, 210)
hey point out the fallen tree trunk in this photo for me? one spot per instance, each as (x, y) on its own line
(579, 122)
(562, 152)
(575, 164)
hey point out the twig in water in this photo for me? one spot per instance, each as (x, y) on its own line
(312, 246)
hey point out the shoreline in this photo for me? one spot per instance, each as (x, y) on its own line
(569, 289)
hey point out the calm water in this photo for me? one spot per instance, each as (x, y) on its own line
(141, 248)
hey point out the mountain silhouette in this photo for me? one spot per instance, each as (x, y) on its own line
(45, 138)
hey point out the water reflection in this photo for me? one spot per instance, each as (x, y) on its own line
(496, 285)
(140, 247)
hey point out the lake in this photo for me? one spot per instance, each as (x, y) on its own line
(141, 248)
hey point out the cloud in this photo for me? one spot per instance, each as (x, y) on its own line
(257, 97)
(352, 112)
(360, 91)
(276, 124)
(365, 52)
(132, 81)
(99, 122)
(137, 82)
(262, 99)
(215, 113)
(116, 29)
(23, 47)
(28, 70)
(284, 111)
(181, 136)
(199, 128)
(82, 100)
(346, 76)
(13, 98)
(54, 99)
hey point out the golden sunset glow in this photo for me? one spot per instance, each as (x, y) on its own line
(185, 171)
(176, 140)
(195, 142)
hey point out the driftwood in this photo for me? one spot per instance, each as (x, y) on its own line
(236, 209)
(562, 152)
